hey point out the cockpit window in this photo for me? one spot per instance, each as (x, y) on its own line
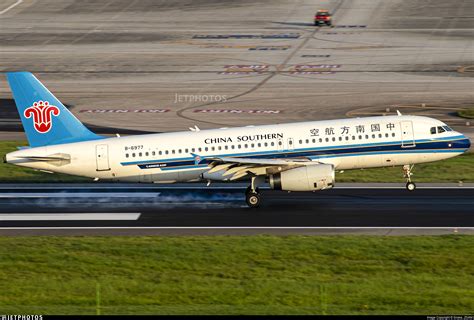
(433, 130)
(447, 128)
(441, 130)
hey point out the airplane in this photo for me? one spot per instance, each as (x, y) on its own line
(301, 156)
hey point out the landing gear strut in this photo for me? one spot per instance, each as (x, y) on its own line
(411, 186)
(252, 194)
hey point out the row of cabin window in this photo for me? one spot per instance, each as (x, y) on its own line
(347, 138)
(252, 145)
(226, 147)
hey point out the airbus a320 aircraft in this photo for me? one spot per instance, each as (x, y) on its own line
(293, 157)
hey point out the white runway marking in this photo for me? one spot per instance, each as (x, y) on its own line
(122, 216)
(237, 228)
(11, 7)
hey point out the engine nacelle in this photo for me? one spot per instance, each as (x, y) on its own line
(308, 178)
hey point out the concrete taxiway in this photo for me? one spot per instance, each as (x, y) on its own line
(195, 209)
(159, 66)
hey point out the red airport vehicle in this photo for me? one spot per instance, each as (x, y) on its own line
(322, 17)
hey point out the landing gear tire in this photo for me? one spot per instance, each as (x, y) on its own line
(252, 194)
(252, 199)
(407, 173)
(411, 186)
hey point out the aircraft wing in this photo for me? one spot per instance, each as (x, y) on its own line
(236, 168)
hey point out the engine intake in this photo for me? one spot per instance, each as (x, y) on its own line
(306, 178)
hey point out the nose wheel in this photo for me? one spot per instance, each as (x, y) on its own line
(410, 186)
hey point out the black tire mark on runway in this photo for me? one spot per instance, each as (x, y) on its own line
(261, 83)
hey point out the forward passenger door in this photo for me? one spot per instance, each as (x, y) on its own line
(408, 137)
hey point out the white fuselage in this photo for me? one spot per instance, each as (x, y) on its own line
(171, 157)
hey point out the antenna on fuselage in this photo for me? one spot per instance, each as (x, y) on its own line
(195, 128)
(399, 113)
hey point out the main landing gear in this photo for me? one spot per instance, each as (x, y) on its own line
(252, 194)
(411, 186)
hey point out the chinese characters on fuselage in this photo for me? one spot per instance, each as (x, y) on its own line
(346, 130)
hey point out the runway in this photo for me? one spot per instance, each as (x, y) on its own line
(123, 209)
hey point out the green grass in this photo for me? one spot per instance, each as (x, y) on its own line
(237, 275)
(467, 113)
(452, 170)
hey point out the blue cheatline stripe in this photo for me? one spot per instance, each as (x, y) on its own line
(192, 166)
(312, 153)
(279, 153)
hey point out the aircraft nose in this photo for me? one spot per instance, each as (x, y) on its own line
(468, 142)
(463, 143)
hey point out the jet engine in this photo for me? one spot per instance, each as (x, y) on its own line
(307, 178)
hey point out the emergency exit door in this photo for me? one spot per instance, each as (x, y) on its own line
(102, 157)
(408, 138)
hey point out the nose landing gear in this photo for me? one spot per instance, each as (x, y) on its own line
(410, 186)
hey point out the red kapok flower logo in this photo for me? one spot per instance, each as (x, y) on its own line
(42, 113)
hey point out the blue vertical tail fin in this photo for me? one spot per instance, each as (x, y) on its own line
(45, 119)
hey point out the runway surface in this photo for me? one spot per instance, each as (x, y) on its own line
(194, 209)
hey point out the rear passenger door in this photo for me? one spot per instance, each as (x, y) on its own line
(102, 157)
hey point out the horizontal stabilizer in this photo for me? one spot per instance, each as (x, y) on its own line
(53, 157)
